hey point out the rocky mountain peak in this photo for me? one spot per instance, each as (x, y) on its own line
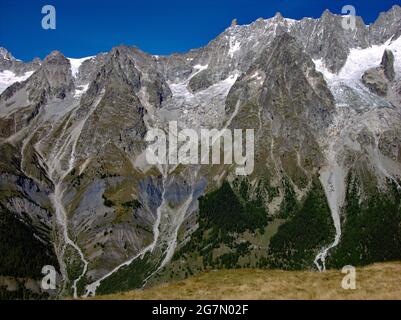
(6, 55)
(326, 14)
(53, 78)
(56, 58)
(278, 16)
(37, 61)
(118, 50)
(386, 25)
(395, 10)
(394, 14)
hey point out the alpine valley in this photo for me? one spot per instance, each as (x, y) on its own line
(77, 193)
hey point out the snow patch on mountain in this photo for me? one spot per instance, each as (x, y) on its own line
(235, 45)
(7, 78)
(359, 60)
(199, 109)
(80, 90)
(347, 85)
(76, 64)
(199, 68)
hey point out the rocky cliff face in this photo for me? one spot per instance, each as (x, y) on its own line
(324, 103)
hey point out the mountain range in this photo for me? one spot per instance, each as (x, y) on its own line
(77, 193)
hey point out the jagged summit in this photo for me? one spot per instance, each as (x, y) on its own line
(5, 54)
(278, 16)
(55, 54)
(327, 13)
(329, 22)
(55, 57)
(394, 12)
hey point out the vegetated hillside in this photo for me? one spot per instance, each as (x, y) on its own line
(377, 281)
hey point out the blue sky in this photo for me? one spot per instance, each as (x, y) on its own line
(87, 27)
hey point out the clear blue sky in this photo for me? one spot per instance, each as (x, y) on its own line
(87, 27)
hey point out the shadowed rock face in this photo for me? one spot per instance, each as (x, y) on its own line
(74, 168)
(375, 81)
(379, 79)
(53, 77)
(388, 65)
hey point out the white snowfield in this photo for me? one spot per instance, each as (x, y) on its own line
(195, 109)
(7, 78)
(347, 84)
(359, 60)
(80, 90)
(76, 64)
(235, 45)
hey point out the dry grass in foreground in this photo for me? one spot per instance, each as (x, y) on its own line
(378, 281)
